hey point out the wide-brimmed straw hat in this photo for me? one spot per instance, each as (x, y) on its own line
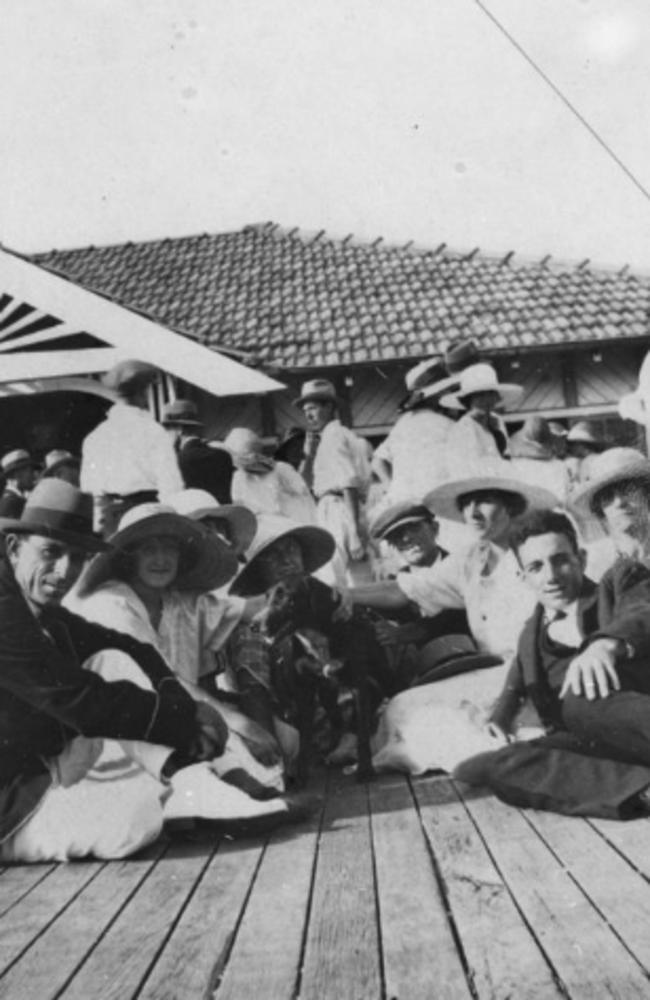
(483, 378)
(316, 390)
(396, 515)
(16, 459)
(584, 433)
(197, 504)
(612, 466)
(317, 547)
(181, 413)
(57, 509)
(429, 380)
(210, 562)
(443, 501)
(534, 440)
(449, 655)
(57, 458)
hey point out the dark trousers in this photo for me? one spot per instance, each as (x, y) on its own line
(596, 768)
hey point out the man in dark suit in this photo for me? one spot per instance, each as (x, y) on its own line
(583, 661)
(203, 466)
(19, 473)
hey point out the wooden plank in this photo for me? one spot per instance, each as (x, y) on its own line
(265, 959)
(631, 839)
(620, 893)
(588, 959)
(502, 957)
(45, 968)
(418, 944)
(195, 955)
(18, 880)
(29, 917)
(122, 959)
(342, 948)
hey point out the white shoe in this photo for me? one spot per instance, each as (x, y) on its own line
(197, 793)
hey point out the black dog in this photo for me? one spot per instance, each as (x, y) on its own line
(299, 611)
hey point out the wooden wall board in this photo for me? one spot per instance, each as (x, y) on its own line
(503, 957)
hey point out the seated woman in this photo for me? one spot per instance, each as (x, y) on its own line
(157, 583)
(433, 726)
(617, 496)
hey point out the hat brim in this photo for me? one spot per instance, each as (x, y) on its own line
(242, 521)
(214, 563)
(316, 397)
(181, 422)
(90, 542)
(53, 469)
(456, 665)
(443, 501)
(317, 547)
(434, 392)
(394, 516)
(582, 498)
(509, 395)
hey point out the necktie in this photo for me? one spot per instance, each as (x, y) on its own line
(312, 440)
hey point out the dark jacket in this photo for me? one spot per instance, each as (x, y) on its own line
(12, 504)
(618, 607)
(47, 698)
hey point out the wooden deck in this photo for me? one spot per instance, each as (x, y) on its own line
(398, 890)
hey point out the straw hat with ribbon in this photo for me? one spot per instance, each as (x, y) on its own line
(15, 460)
(483, 378)
(56, 509)
(316, 544)
(443, 501)
(56, 459)
(616, 465)
(316, 390)
(206, 562)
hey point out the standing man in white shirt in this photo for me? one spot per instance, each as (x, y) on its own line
(129, 458)
(336, 471)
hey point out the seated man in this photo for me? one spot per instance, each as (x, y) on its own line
(437, 725)
(55, 713)
(582, 659)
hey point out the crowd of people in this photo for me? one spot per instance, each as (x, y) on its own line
(497, 586)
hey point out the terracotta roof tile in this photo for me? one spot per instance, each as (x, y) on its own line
(304, 300)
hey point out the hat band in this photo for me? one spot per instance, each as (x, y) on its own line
(56, 520)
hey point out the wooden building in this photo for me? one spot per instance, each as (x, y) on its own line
(297, 304)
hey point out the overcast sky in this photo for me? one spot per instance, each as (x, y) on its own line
(408, 119)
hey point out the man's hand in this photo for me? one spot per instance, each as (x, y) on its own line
(356, 549)
(213, 731)
(593, 672)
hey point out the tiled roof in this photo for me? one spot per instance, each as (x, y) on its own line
(300, 301)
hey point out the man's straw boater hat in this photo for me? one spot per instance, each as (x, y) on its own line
(616, 465)
(206, 562)
(55, 459)
(483, 378)
(15, 460)
(316, 544)
(197, 504)
(398, 514)
(443, 501)
(316, 390)
(181, 413)
(56, 509)
(433, 378)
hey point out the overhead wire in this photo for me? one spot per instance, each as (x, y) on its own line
(565, 100)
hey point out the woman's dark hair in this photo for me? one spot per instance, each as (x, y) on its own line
(541, 522)
(602, 498)
(514, 503)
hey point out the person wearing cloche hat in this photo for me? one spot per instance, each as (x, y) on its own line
(19, 472)
(618, 496)
(481, 432)
(61, 676)
(482, 578)
(336, 469)
(128, 458)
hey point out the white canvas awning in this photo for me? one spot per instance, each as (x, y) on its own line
(30, 295)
